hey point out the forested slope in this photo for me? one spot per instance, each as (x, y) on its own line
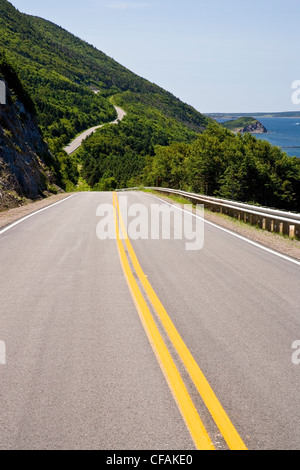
(161, 141)
(237, 167)
(61, 71)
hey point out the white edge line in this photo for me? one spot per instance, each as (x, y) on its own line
(269, 250)
(34, 213)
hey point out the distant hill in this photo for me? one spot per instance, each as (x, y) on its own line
(245, 124)
(232, 116)
(73, 87)
(66, 86)
(62, 72)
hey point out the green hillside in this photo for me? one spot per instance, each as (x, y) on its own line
(161, 141)
(60, 72)
(239, 123)
(236, 167)
(245, 124)
(25, 161)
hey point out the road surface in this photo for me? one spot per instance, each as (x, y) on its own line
(76, 143)
(80, 371)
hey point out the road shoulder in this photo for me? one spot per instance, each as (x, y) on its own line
(12, 215)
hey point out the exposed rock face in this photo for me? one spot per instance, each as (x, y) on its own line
(24, 156)
(245, 124)
(254, 128)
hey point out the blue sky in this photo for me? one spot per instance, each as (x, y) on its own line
(218, 56)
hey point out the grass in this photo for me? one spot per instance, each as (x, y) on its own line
(177, 199)
(82, 185)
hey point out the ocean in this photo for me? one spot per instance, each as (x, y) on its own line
(282, 132)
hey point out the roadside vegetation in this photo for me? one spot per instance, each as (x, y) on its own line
(161, 142)
(237, 167)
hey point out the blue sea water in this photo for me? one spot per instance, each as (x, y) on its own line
(282, 132)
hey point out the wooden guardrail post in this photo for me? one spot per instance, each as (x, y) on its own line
(292, 231)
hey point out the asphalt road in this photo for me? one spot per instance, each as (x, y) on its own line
(76, 143)
(80, 372)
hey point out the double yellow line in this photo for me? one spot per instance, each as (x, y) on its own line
(185, 404)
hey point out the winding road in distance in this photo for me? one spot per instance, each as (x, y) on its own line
(97, 359)
(76, 143)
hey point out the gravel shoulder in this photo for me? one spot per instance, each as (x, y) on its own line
(274, 241)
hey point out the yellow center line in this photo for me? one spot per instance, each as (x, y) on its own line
(212, 403)
(184, 402)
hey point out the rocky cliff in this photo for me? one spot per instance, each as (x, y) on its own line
(245, 124)
(255, 128)
(24, 156)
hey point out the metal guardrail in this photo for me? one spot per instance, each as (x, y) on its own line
(272, 220)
